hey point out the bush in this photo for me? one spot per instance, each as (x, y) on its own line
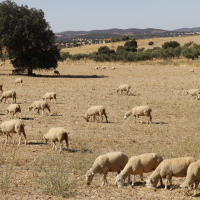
(172, 44)
(151, 43)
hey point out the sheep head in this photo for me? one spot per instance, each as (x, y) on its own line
(151, 182)
(89, 176)
(45, 140)
(30, 108)
(126, 116)
(120, 181)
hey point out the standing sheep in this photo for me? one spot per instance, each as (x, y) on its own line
(1, 88)
(138, 165)
(167, 169)
(50, 95)
(193, 92)
(19, 80)
(57, 134)
(110, 162)
(56, 72)
(139, 111)
(113, 68)
(13, 126)
(39, 105)
(122, 88)
(96, 110)
(193, 176)
(191, 70)
(8, 94)
(14, 108)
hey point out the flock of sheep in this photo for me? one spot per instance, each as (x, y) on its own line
(115, 161)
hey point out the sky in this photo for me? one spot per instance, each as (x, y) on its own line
(86, 15)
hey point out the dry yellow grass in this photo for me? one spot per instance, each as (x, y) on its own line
(34, 171)
(143, 43)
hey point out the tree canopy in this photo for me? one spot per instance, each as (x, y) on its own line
(27, 37)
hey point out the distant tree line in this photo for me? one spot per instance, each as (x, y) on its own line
(131, 53)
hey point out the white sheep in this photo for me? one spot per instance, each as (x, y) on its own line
(110, 162)
(167, 169)
(193, 92)
(56, 72)
(1, 88)
(193, 176)
(8, 94)
(139, 111)
(96, 111)
(39, 105)
(96, 68)
(122, 88)
(138, 165)
(113, 68)
(57, 134)
(19, 80)
(13, 126)
(103, 67)
(50, 95)
(14, 108)
(191, 70)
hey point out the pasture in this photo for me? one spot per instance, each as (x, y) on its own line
(35, 171)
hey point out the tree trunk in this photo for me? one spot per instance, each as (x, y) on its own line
(30, 71)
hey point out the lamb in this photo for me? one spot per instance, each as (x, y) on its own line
(39, 105)
(57, 134)
(8, 94)
(110, 162)
(50, 95)
(193, 92)
(139, 111)
(1, 88)
(167, 169)
(19, 80)
(96, 110)
(56, 72)
(122, 88)
(193, 176)
(14, 108)
(13, 126)
(138, 165)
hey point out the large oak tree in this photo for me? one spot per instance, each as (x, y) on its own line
(27, 37)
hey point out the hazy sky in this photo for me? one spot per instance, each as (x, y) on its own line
(76, 15)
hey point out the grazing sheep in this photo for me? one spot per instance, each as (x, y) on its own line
(122, 88)
(167, 168)
(8, 94)
(19, 80)
(96, 68)
(110, 162)
(1, 88)
(56, 72)
(39, 105)
(139, 111)
(193, 176)
(113, 68)
(138, 165)
(50, 95)
(13, 126)
(57, 134)
(193, 92)
(14, 108)
(191, 70)
(96, 110)
(103, 67)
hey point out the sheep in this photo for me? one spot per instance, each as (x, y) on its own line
(57, 134)
(167, 168)
(96, 110)
(139, 111)
(8, 94)
(19, 80)
(14, 108)
(96, 68)
(122, 88)
(193, 92)
(39, 105)
(138, 165)
(1, 88)
(50, 95)
(110, 162)
(13, 126)
(191, 70)
(193, 176)
(56, 72)
(103, 67)
(113, 68)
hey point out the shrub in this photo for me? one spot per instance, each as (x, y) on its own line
(151, 43)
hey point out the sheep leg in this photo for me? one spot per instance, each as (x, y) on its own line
(104, 179)
(20, 137)
(141, 177)
(10, 115)
(195, 191)
(101, 118)
(105, 117)
(49, 110)
(66, 141)
(24, 134)
(133, 181)
(134, 119)
(61, 144)
(150, 119)
(53, 145)
(161, 183)
(6, 138)
(11, 138)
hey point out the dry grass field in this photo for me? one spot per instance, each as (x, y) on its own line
(35, 171)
